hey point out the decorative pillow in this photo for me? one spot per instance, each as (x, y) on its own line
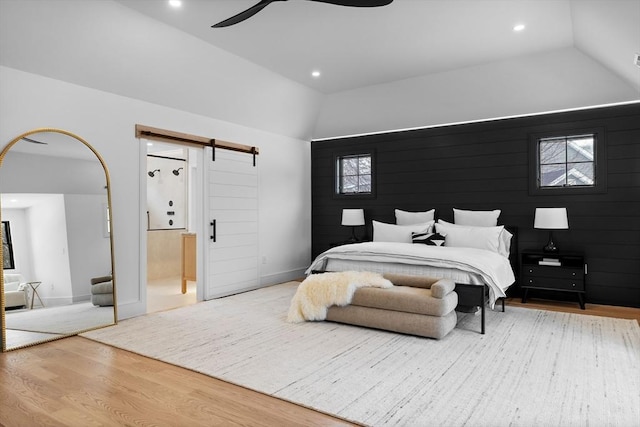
(504, 246)
(471, 237)
(410, 218)
(383, 232)
(476, 218)
(432, 239)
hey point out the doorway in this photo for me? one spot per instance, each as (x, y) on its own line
(171, 198)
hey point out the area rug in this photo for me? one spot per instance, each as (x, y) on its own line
(64, 319)
(532, 368)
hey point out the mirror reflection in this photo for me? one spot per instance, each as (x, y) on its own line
(56, 239)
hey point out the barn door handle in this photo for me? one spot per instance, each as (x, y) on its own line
(213, 230)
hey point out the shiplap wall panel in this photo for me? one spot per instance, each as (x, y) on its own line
(485, 166)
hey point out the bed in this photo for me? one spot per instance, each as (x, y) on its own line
(482, 273)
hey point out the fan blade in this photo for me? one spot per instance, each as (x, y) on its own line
(244, 15)
(356, 3)
(33, 141)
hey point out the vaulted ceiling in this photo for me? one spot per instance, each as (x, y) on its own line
(354, 47)
(412, 63)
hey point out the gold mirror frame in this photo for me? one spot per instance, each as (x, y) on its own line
(3, 153)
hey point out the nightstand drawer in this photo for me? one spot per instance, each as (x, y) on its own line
(547, 271)
(553, 283)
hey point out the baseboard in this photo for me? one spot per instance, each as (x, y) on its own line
(284, 276)
(52, 301)
(81, 298)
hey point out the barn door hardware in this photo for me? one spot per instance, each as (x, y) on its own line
(213, 230)
(148, 132)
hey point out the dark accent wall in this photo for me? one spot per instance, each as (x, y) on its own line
(484, 166)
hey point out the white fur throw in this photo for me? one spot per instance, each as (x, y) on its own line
(320, 291)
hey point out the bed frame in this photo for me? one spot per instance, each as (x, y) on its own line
(474, 295)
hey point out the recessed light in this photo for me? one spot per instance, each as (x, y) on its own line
(518, 27)
(175, 3)
(315, 74)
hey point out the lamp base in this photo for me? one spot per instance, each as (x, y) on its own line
(353, 238)
(550, 246)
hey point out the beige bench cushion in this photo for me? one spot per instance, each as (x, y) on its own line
(405, 299)
(395, 321)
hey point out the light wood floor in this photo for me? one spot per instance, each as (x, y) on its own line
(569, 307)
(78, 382)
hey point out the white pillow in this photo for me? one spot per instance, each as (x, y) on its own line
(505, 243)
(476, 218)
(463, 236)
(383, 232)
(409, 218)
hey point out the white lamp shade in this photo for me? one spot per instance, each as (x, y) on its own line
(551, 218)
(353, 217)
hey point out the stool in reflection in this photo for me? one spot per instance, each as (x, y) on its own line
(34, 292)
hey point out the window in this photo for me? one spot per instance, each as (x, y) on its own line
(7, 247)
(573, 163)
(354, 175)
(567, 161)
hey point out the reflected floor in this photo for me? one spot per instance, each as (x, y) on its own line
(165, 294)
(25, 327)
(65, 319)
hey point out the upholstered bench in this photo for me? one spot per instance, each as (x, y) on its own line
(419, 306)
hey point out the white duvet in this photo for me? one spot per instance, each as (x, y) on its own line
(494, 269)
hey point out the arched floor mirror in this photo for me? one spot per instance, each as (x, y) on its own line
(57, 243)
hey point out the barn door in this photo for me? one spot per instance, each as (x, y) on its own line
(231, 212)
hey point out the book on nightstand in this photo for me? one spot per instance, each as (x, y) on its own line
(550, 261)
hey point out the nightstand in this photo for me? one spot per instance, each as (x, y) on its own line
(562, 272)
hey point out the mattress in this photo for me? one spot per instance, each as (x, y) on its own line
(463, 265)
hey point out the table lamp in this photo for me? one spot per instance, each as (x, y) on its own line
(551, 219)
(353, 218)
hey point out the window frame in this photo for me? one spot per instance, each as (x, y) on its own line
(599, 162)
(337, 176)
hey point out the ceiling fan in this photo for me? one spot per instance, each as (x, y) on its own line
(264, 3)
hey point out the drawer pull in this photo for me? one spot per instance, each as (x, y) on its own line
(531, 270)
(573, 284)
(530, 280)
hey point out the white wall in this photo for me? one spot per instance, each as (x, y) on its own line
(89, 246)
(57, 175)
(562, 79)
(37, 230)
(50, 258)
(107, 122)
(107, 46)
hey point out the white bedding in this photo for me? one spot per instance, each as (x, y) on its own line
(464, 265)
